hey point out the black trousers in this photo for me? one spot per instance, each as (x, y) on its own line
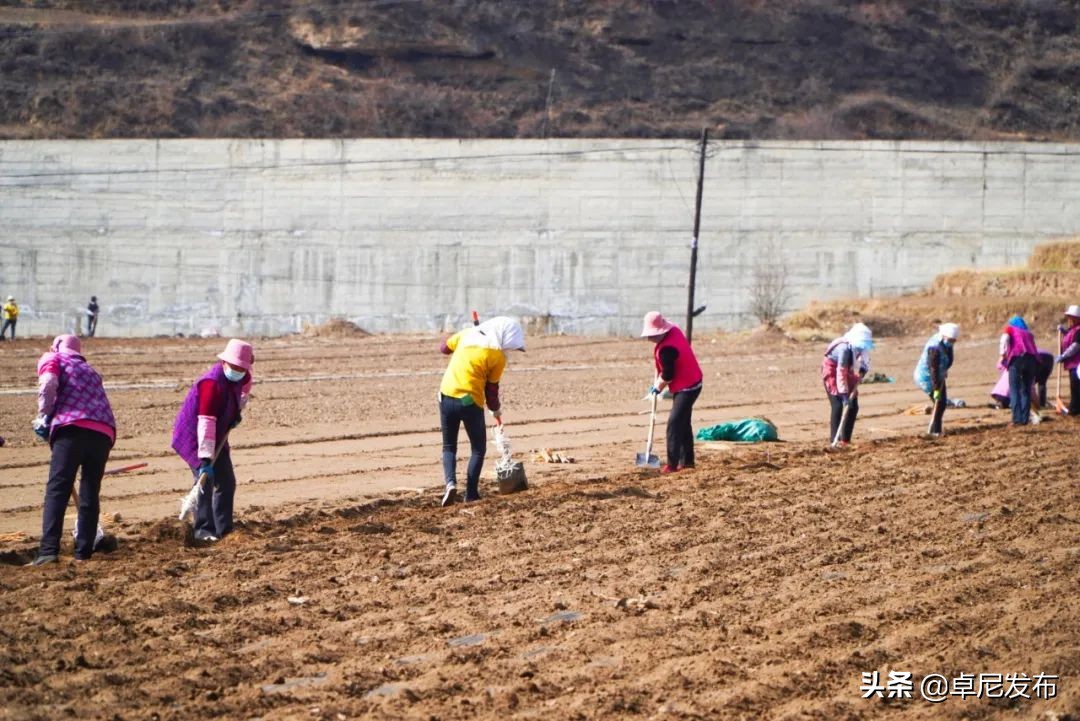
(680, 433)
(836, 407)
(214, 513)
(74, 448)
(939, 409)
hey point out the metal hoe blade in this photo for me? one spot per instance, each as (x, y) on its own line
(644, 460)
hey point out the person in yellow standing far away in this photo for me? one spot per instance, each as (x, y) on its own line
(11, 316)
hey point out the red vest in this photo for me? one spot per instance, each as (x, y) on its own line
(687, 370)
(829, 367)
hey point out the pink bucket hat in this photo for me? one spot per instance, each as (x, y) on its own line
(238, 353)
(655, 324)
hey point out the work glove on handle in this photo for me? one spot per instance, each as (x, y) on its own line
(845, 398)
(497, 415)
(205, 466)
(936, 395)
(41, 427)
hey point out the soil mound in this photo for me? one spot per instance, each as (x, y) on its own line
(980, 301)
(1056, 256)
(335, 328)
(171, 529)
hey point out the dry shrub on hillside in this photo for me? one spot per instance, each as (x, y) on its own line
(1056, 256)
(770, 284)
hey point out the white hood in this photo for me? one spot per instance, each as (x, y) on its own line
(499, 332)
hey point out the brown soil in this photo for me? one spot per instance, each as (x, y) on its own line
(760, 585)
(956, 69)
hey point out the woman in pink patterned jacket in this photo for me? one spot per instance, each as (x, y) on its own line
(75, 417)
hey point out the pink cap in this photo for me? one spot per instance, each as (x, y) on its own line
(655, 324)
(67, 343)
(238, 353)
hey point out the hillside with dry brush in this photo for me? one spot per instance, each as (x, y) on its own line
(943, 69)
(979, 300)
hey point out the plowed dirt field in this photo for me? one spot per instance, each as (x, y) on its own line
(763, 584)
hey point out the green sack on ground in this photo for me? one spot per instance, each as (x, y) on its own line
(748, 430)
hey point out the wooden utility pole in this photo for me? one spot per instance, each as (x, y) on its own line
(690, 312)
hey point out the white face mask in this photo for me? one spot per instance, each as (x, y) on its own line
(233, 375)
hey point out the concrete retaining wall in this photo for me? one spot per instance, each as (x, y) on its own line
(582, 236)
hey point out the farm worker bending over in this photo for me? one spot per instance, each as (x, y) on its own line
(11, 317)
(999, 394)
(933, 369)
(74, 415)
(1070, 356)
(678, 371)
(212, 409)
(846, 361)
(1018, 355)
(477, 360)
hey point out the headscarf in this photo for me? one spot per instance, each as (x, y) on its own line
(500, 332)
(1017, 322)
(861, 337)
(950, 331)
(67, 344)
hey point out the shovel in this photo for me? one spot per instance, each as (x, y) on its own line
(100, 534)
(647, 459)
(189, 503)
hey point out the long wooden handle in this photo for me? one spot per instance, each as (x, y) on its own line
(652, 427)
(843, 422)
(125, 469)
(1061, 341)
(933, 415)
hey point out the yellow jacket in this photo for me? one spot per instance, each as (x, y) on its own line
(471, 368)
(11, 311)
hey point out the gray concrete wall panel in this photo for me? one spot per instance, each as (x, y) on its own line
(581, 236)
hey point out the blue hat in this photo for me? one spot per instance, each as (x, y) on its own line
(1017, 322)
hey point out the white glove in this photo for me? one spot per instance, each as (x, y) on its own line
(497, 414)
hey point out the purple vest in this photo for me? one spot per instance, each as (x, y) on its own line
(1071, 337)
(80, 395)
(1021, 342)
(185, 440)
